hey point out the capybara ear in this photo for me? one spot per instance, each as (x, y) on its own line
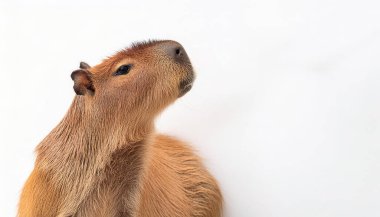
(84, 65)
(82, 82)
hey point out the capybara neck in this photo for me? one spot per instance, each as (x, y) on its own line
(76, 153)
(87, 134)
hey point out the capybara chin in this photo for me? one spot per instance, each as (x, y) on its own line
(105, 159)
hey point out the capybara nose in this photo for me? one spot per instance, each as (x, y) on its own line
(174, 50)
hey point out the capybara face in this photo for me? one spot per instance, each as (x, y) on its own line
(147, 76)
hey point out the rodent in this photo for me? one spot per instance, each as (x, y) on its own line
(105, 158)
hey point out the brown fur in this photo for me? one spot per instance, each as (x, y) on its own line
(104, 158)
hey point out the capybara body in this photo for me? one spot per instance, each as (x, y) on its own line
(105, 159)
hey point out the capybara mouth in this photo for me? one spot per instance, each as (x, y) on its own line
(186, 85)
(185, 88)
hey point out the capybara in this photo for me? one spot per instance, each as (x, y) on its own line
(105, 158)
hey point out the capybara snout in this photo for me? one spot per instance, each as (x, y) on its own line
(177, 53)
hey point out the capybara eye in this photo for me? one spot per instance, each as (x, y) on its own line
(123, 70)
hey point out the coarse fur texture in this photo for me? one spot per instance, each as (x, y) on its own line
(105, 159)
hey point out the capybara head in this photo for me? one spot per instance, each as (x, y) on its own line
(141, 80)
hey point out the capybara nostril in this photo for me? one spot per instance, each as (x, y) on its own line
(178, 51)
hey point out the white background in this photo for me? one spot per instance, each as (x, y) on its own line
(285, 110)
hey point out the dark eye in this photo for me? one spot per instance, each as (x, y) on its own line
(123, 70)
